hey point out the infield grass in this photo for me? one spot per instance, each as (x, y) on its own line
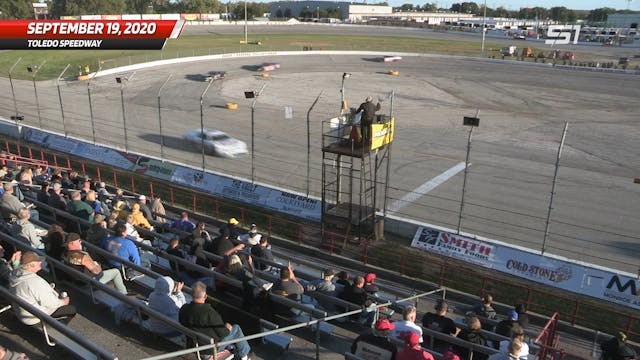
(197, 45)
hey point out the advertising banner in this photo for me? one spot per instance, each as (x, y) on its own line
(605, 284)
(382, 134)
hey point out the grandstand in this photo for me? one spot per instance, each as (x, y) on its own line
(314, 332)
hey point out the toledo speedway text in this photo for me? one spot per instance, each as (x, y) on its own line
(74, 43)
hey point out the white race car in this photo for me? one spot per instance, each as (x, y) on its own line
(268, 66)
(392, 58)
(216, 142)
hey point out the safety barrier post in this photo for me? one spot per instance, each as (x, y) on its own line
(365, 256)
(269, 224)
(133, 184)
(217, 206)
(441, 275)
(68, 163)
(84, 170)
(42, 156)
(574, 315)
(55, 159)
(194, 202)
(300, 233)
(115, 178)
(484, 283)
(99, 175)
(151, 190)
(527, 301)
(19, 150)
(243, 221)
(402, 264)
(30, 153)
(6, 146)
(171, 196)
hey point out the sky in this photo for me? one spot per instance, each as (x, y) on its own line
(517, 4)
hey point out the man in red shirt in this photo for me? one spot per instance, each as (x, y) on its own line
(413, 350)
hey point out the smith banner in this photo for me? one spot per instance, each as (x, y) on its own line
(87, 34)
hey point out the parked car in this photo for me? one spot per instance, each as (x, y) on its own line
(392, 58)
(216, 142)
(268, 66)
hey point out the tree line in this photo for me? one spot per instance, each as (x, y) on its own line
(22, 9)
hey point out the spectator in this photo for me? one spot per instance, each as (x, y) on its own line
(98, 230)
(54, 242)
(232, 228)
(43, 194)
(120, 197)
(472, 334)
(504, 327)
(139, 219)
(9, 203)
(356, 294)
(183, 224)
(369, 285)
(25, 230)
(617, 348)
(439, 321)
(485, 308)
(511, 352)
(262, 251)
(201, 231)
(27, 285)
(197, 250)
(96, 205)
(40, 176)
(343, 279)
(6, 354)
(82, 261)
(374, 344)
(79, 208)
(158, 211)
(523, 317)
(121, 247)
(144, 208)
(412, 349)
(288, 285)
(325, 284)
(103, 193)
(517, 333)
(121, 208)
(84, 187)
(407, 325)
(132, 232)
(166, 298)
(202, 317)
(253, 230)
(57, 199)
(7, 266)
(223, 246)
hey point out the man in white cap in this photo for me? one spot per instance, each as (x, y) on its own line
(27, 285)
(144, 208)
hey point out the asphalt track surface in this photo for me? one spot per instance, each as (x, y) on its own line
(522, 109)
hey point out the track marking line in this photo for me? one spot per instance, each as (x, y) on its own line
(426, 187)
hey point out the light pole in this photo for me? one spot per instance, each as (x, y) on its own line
(160, 118)
(34, 70)
(471, 122)
(345, 76)
(253, 95)
(484, 23)
(64, 127)
(309, 138)
(13, 93)
(123, 81)
(245, 23)
(202, 120)
(93, 127)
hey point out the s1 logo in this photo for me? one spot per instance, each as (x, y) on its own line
(556, 34)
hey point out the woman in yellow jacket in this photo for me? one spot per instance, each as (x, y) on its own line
(138, 217)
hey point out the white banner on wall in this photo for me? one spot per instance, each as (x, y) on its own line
(605, 284)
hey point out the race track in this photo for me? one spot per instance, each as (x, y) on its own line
(522, 109)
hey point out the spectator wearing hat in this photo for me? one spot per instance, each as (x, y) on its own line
(517, 334)
(369, 285)
(253, 230)
(412, 349)
(375, 344)
(27, 285)
(232, 228)
(57, 198)
(325, 284)
(504, 327)
(439, 321)
(103, 193)
(120, 246)
(407, 324)
(183, 224)
(262, 251)
(144, 207)
(82, 261)
(617, 348)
